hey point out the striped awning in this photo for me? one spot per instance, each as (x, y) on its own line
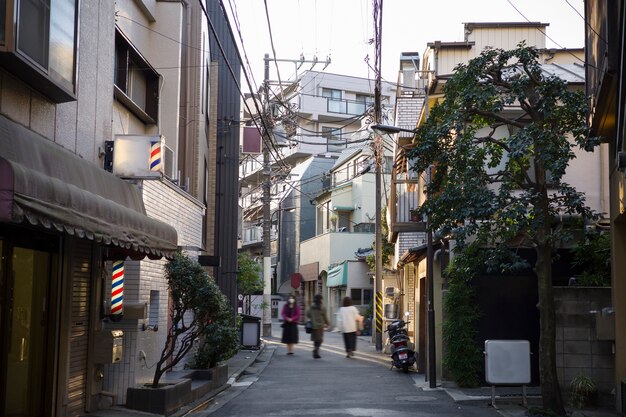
(338, 276)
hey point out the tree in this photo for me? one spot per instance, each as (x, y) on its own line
(499, 144)
(249, 279)
(196, 303)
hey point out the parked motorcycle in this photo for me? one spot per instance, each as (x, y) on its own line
(402, 356)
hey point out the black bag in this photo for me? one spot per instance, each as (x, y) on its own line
(308, 326)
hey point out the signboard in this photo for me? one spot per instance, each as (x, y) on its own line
(138, 156)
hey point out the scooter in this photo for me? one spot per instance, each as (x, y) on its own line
(402, 356)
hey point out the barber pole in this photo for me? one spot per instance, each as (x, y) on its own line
(155, 156)
(117, 289)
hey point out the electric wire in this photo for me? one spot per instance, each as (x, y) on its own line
(546, 35)
(586, 23)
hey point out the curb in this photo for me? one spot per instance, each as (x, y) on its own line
(192, 407)
(253, 356)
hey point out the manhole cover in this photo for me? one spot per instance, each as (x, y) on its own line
(415, 399)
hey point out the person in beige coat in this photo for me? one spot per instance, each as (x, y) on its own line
(351, 322)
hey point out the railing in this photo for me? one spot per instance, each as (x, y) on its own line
(346, 106)
(254, 234)
(403, 205)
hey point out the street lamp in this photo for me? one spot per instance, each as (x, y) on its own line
(389, 130)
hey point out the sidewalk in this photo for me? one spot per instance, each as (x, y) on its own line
(236, 367)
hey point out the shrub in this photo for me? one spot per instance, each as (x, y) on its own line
(584, 391)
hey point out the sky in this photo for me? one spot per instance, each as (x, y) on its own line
(342, 29)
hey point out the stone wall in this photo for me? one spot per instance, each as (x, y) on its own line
(579, 349)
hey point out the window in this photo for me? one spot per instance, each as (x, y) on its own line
(361, 296)
(136, 82)
(334, 140)
(39, 44)
(334, 103)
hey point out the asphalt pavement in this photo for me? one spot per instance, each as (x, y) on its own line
(269, 383)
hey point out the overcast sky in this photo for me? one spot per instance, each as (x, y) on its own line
(342, 29)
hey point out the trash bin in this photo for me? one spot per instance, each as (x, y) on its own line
(250, 331)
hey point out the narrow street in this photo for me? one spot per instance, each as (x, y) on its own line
(298, 385)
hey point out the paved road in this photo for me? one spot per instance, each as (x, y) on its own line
(280, 385)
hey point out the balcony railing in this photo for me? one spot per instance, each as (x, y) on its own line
(254, 234)
(346, 106)
(403, 204)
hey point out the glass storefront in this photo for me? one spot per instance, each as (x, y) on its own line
(27, 279)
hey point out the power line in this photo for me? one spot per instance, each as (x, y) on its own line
(546, 35)
(586, 23)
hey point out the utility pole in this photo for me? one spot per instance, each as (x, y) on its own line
(430, 286)
(267, 198)
(378, 154)
(267, 185)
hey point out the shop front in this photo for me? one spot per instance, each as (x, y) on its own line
(62, 219)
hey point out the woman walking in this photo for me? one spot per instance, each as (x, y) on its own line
(350, 320)
(317, 314)
(291, 316)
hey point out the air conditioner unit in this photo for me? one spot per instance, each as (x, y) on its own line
(168, 169)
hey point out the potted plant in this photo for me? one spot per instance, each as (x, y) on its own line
(414, 215)
(198, 309)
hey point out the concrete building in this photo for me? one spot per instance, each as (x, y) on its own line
(317, 116)
(143, 88)
(345, 225)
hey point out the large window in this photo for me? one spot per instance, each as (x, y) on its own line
(136, 82)
(43, 50)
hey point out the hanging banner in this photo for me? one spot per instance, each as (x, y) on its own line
(117, 290)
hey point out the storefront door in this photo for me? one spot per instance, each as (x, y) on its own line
(27, 280)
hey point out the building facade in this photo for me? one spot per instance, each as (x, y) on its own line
(105, 156)
(604, 50)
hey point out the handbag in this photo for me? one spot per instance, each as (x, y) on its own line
(308, 326)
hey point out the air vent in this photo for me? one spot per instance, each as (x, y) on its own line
(169, 168)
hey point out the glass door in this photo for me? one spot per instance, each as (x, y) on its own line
(26, 276)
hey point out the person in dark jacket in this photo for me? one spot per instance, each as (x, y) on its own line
(317, 314)
(291, 317)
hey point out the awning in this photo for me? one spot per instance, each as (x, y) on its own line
(44, 184)
(337, 276)
(309, 272)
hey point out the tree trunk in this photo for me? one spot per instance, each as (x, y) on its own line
(550, 389)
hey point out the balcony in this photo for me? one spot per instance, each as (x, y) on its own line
(333, 247)
(328, 109)
(253, 235)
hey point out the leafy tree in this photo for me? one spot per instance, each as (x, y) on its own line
(196, 302)
(592, 257)
(249, 279)
(499, 144)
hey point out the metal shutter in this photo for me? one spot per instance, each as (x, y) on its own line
(79, 330)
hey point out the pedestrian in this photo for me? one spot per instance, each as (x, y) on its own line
(350, 324)
(317, 314)
(291, 317)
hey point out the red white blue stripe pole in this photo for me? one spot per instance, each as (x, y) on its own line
(117, 289)
(155, 156)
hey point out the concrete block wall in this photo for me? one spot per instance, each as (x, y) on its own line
(578, 349)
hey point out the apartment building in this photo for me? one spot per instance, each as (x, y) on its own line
(320, 115)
